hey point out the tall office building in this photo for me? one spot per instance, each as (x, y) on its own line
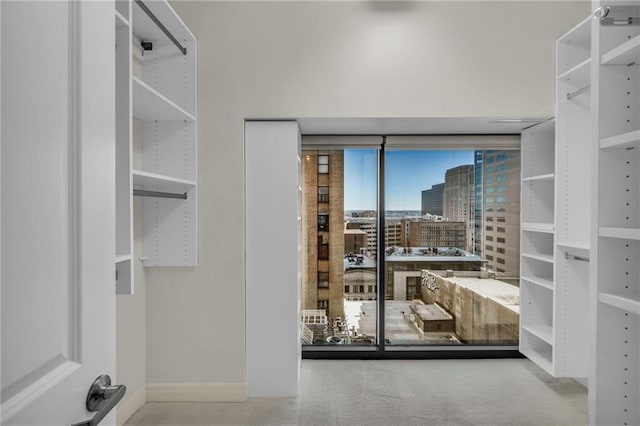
(459, 200)
(501, 210)
(432, 200)
(477, 225)
(323, 231)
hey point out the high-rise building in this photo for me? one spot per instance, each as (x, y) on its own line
(323, 231)
(459, 199)
(432, 200)
(478, 240)
(501, 210)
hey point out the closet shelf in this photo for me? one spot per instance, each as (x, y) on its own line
(542, 257)
(541, 359)
(145, 29)
(541, 282)
(156, 182)
(623, 141)
(548, 176)
(583, 249)
(541, 331)
(123, 258)
(537, 227)
(621, 233)
(579, 75)
(620, 302)
(151, 105)
(625, 54)
(121, 21)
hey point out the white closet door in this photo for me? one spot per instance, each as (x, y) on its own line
(58, 294)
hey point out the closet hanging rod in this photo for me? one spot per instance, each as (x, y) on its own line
(143, 193)
(577, 92)
(572, 257)
(161, 26)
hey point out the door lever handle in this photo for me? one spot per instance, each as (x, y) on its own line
(101, 399)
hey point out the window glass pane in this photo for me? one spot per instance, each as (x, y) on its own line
(438, 287)
(339, 236)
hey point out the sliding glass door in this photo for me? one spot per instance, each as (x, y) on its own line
(410, 248)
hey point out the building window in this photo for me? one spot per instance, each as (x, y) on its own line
(361, 289)
(489, 218)
(500, 250)
(499, 229)
(489, 170)
(323, 223)
(489, 180)
(489, 238)
(323, 304)
(489, 257)
(346, 289)
(323, 280)
(501, 168)
(323, 164)
(488, 247)
(489, 228)
(501, 199)
(500, 219)
(323, 251)
(490, 199)
(501, 240)
(323, 194)
(500, 261)
(500, 178)
(502, 188)
(500, 270)
(501, 157)
(490, 189)
(489, 160)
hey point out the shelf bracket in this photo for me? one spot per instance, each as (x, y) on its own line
(160, 25)
(577, 92)
(572, 257)
(143, 193)
(617, 15)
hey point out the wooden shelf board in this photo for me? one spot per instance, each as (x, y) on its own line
(537, 227)
(625, 54)
(156, 182)
(121, 21)
(541, 282)
(623, 141)
(150, 105)
(541, 331)
(123, 258)
(621, 233)
(548, 176)
(620, 302)
(538, 256)
(579, 74)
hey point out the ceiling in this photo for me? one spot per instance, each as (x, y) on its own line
(416, 126)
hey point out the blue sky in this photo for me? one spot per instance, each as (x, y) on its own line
(407, 173)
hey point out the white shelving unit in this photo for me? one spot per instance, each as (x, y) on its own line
(537, 244)
(156, 86)
(572, 201)
(614, 379)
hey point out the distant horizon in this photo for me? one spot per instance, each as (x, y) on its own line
(407, 173)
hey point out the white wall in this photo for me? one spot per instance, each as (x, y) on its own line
(325, 59)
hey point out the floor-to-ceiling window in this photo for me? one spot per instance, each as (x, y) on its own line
(409, 248)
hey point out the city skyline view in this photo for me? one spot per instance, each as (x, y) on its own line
(407, 174)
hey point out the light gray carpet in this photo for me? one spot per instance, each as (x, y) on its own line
(398, 393)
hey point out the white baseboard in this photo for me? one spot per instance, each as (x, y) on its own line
(127, 408)
(197, 392)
